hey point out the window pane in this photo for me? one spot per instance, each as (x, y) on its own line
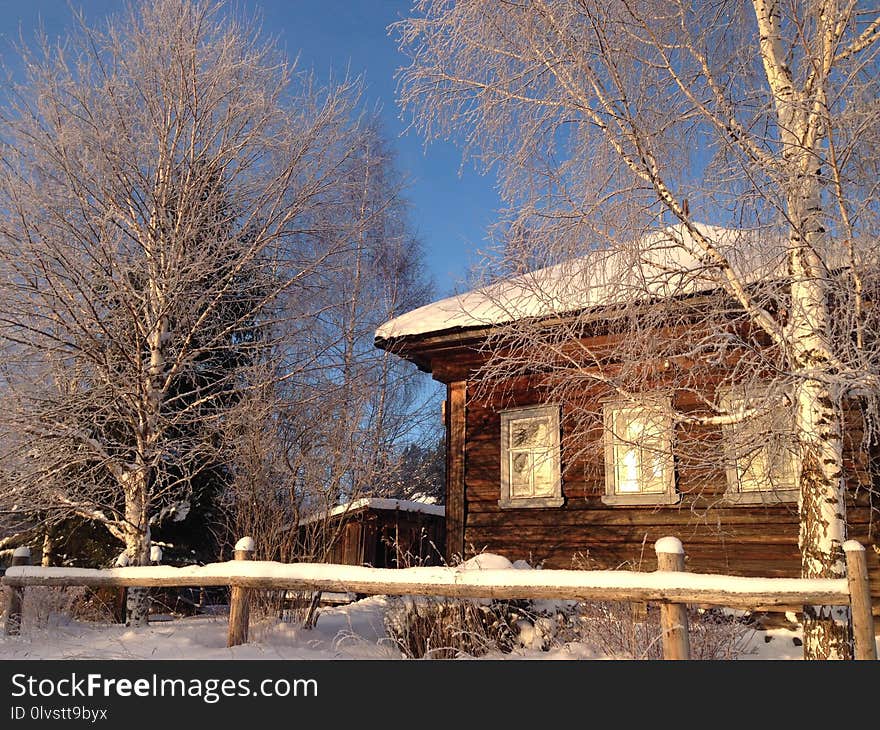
(785, 472)
(753, 475)
(763, 449)
(770, 467)
(543, 474)
(655, 463)
(627, 468)
(520, 473)
(529, 432)
(627, 426)
(641, 450)
(530, 456)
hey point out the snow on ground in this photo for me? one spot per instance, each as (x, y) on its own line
(352, 631)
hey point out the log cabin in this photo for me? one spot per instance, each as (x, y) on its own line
(511, 489)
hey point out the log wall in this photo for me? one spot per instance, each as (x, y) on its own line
(749, 540)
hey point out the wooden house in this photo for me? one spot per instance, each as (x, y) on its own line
(595, 511)
(382, 533)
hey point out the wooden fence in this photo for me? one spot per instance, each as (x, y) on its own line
(670, 586)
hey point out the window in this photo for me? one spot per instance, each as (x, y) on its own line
(530, 467)
(762, 461)
(639, 467)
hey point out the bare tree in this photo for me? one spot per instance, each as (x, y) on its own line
(606, 118)
(163, 188)
(333, 433)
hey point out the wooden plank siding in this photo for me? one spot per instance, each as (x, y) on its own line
(719, 536)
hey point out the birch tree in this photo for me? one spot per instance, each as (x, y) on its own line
(334, 433)
(607, 118)
(161, 194)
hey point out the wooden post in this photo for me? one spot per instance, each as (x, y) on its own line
(239, 599)
(673, 616)
(456, 419)
(21, 556)
(865, 646)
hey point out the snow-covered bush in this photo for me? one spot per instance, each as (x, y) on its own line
(442, 628)
(44, 607)
(625, 630)
(632, 630)
(445, 628)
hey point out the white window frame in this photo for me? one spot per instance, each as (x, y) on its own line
(788, 490)
(547, 411)
(661, 406)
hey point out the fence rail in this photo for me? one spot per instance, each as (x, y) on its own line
(670, 586)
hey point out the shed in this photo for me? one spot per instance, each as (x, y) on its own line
(383, 533)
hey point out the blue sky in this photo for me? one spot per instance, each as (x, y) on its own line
(452, 205)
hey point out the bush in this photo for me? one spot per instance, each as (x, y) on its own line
(632, 631)
(45, 608)
(439, 628)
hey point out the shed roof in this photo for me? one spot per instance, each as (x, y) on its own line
(378, 503)
(667, 262)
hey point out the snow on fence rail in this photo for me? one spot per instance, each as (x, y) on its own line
(670, 586)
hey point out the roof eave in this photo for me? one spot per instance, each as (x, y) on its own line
(419, 348)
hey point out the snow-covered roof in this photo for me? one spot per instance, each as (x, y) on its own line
(663, 263)
(404, 505)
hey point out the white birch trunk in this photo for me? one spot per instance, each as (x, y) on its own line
(822, 517)
(136, 482)
(821, 502)
(136, 532)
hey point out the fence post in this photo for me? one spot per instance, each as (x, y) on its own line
(239, 599)
(673, 616)
(860, 600)
(21, 556)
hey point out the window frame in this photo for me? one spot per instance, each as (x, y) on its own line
(734, 493)
(544, 410)
(662, 404)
